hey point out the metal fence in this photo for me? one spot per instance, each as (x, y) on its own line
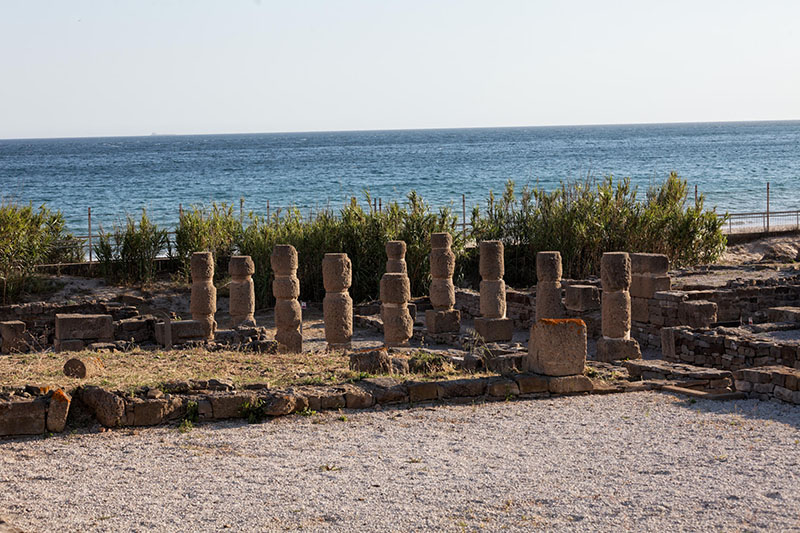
(763, 222)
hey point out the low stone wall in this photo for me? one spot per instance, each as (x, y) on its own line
(32, 412)
(739, 301)
(770, 383)
(731, 348)
(684, 375)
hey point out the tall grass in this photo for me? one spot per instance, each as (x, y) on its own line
(215, 229)
(30, 237)
(583, 220)
(129, 253)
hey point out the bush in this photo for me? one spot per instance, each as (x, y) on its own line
(583, 220)
(30, 237)
(129, 254)
(213, 229)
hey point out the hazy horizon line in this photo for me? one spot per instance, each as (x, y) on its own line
(287, 132)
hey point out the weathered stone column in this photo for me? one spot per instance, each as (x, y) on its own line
(337, 307)
(548, 286)
(648, 276)
(442, 318)
(286, 290)
(396, 254)
(243, 296)
(397, 323)
(616, 342)
(493, 325)
(203, 304)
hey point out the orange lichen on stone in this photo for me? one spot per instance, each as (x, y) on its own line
(60, 396)
(556, 321)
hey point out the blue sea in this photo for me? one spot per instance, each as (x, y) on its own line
(730, 163)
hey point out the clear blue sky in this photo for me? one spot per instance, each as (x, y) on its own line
(81, 68)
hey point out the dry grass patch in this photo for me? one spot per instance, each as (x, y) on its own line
(124, 370)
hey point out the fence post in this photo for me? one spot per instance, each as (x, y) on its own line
(241, 209)
(695, 195)
(267, 211)
(90, 235)
(767, 207)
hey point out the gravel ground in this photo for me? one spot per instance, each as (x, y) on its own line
(643, 461)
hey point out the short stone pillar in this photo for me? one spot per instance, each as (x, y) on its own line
(557, 347)
(203, 303)
(548, 286)
(243, 295)
(398, 326)
(649, 275)
(442, 318)
(493, 325)
(396, 257)
(616, 342)
(286, 290)
(337, 306)
(13, 337)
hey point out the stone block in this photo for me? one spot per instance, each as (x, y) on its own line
(22, 417)
(502, 388)
(461, 388)
(395, 288)
(494, 329)
(697, 313)
(582, 297)
(13, 337)
(531, 383)
(443, 263)
(647, 285)
(493, 298)
(337, 272)
(640, 309)
(241, 266)
(182, 331)
(286, 288)
(398, 326)
(649, 264)
(58, 410)
(422, 391)
(616, 349)
(548, 300)
(68, 345)
(569, 384)
(337, 310)
(548, 266)
(557, 347)
(615, 271)
(230, 405)
(202, 266)
(372, 362)
(77, 326)
(107, 407)
(385, 390)
(442, 294)
(443, 321)
(283, 259)
(742, 386)
(492, 261)
(357, 398)
(616, 321)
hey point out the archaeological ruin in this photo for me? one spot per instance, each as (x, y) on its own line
(633, 328)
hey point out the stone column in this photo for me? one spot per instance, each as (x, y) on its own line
(493, 325)
(548, 286)
(442, 318)
(243, 296)
(648, 276)
(397, 323)
(616, 342)
(396, 254)
(286, 290)
(203, 304)
(337, 307)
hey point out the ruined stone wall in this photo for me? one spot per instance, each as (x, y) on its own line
(728, 348)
